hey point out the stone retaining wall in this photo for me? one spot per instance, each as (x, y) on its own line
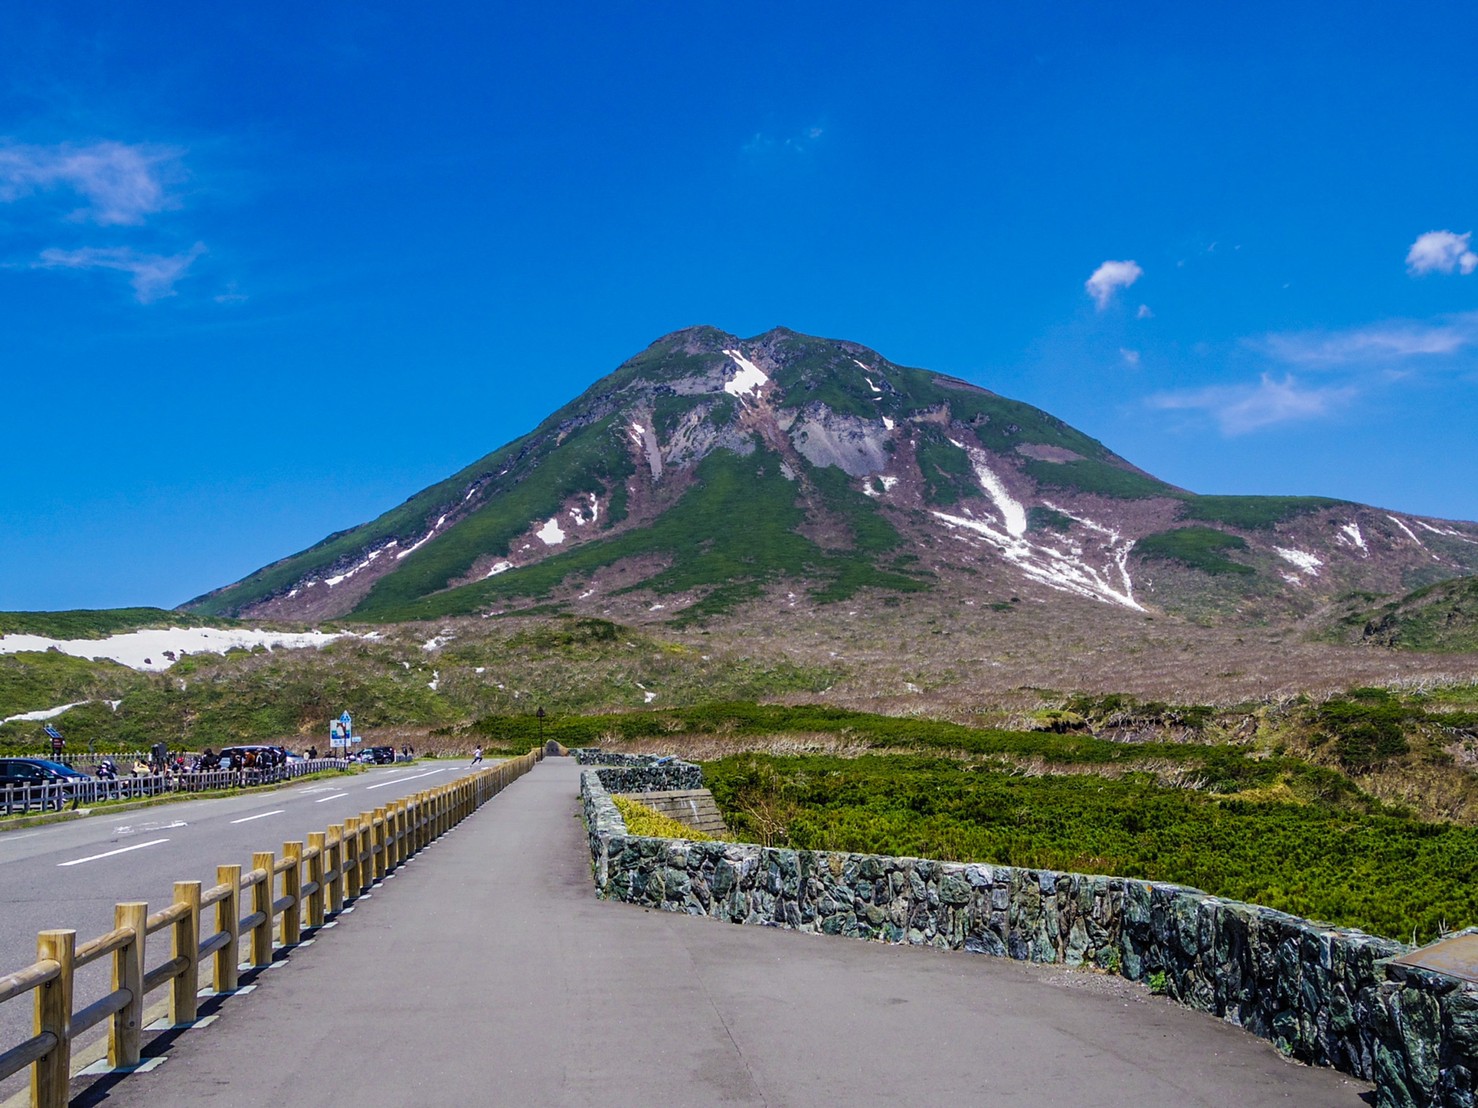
(594, 756)
(1320, 994)
(640, 773)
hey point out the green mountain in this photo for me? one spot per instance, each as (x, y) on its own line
(710, 471)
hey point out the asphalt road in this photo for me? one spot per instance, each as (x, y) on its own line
(70, 875)
(490, 974)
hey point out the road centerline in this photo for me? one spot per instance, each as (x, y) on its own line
(323, 799)
(403, 780)
(260, 815)
(110, 853)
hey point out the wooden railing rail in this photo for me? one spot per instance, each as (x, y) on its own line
(317, 882)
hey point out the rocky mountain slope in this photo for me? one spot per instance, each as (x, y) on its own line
(709, 470)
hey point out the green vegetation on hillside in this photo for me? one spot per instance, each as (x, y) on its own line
(1093, 476)
(1379, 871)
(584, 463)
(730, 535)
(1000, 424)
(948, 475)
(96, 623)
(1202, 548)
(1254, 512)
(36, 682)
(1441, 616)
(1039, 518)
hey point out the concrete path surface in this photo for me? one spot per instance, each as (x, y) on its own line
(486, 972)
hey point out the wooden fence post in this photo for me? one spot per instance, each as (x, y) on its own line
(228, 920)
(125, 1030)
(366, 850)
(292, 888)
(262, 895)
(381, 851)
(336, 867)
(350, 851)
(317, 849)
(51, 1075)
(186, 944)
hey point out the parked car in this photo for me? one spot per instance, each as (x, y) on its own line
(381, 755)
(19, 773)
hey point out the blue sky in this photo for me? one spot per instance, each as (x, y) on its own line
(266, 271)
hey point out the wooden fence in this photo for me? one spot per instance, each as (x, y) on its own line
(283, 896)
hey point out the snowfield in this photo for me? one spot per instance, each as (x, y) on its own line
(750, 378)
(145, 650)
(1306, 562)
(1062, 567)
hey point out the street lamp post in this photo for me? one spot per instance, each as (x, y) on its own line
(539, 715)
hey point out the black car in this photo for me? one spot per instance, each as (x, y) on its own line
(380, 755)
(30, 773)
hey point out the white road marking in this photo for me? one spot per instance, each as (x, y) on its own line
(12, 838)
(109, 854)
(402, 780)
(334, 797)
(263, 815)
(157, 825)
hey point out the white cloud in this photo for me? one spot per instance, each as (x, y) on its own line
(1238, 409)
(1131, 357)
(153, 276)
(1378, 342)
(1144, 312)
(1441, 252)
(1109, 278)
(766, 143)
(121, 184)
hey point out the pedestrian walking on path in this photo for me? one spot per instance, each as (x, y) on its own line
(477, 756)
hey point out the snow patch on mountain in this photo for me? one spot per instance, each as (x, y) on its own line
(1349, 535)
(551, 534)
(423, 540)
(156, 649)
(1306, 562)
(1068, 567)
(44, 713)
(498, 567)
(1410, 534)
(348, 573)
(1013, 515)
(749, 379)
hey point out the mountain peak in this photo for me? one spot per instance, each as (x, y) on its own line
(710, 470)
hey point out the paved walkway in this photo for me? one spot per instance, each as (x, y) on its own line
(486, 972)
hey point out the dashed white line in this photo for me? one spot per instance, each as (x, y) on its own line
(109, 854)
(403, 780)
(260, 815)
(334, 797)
